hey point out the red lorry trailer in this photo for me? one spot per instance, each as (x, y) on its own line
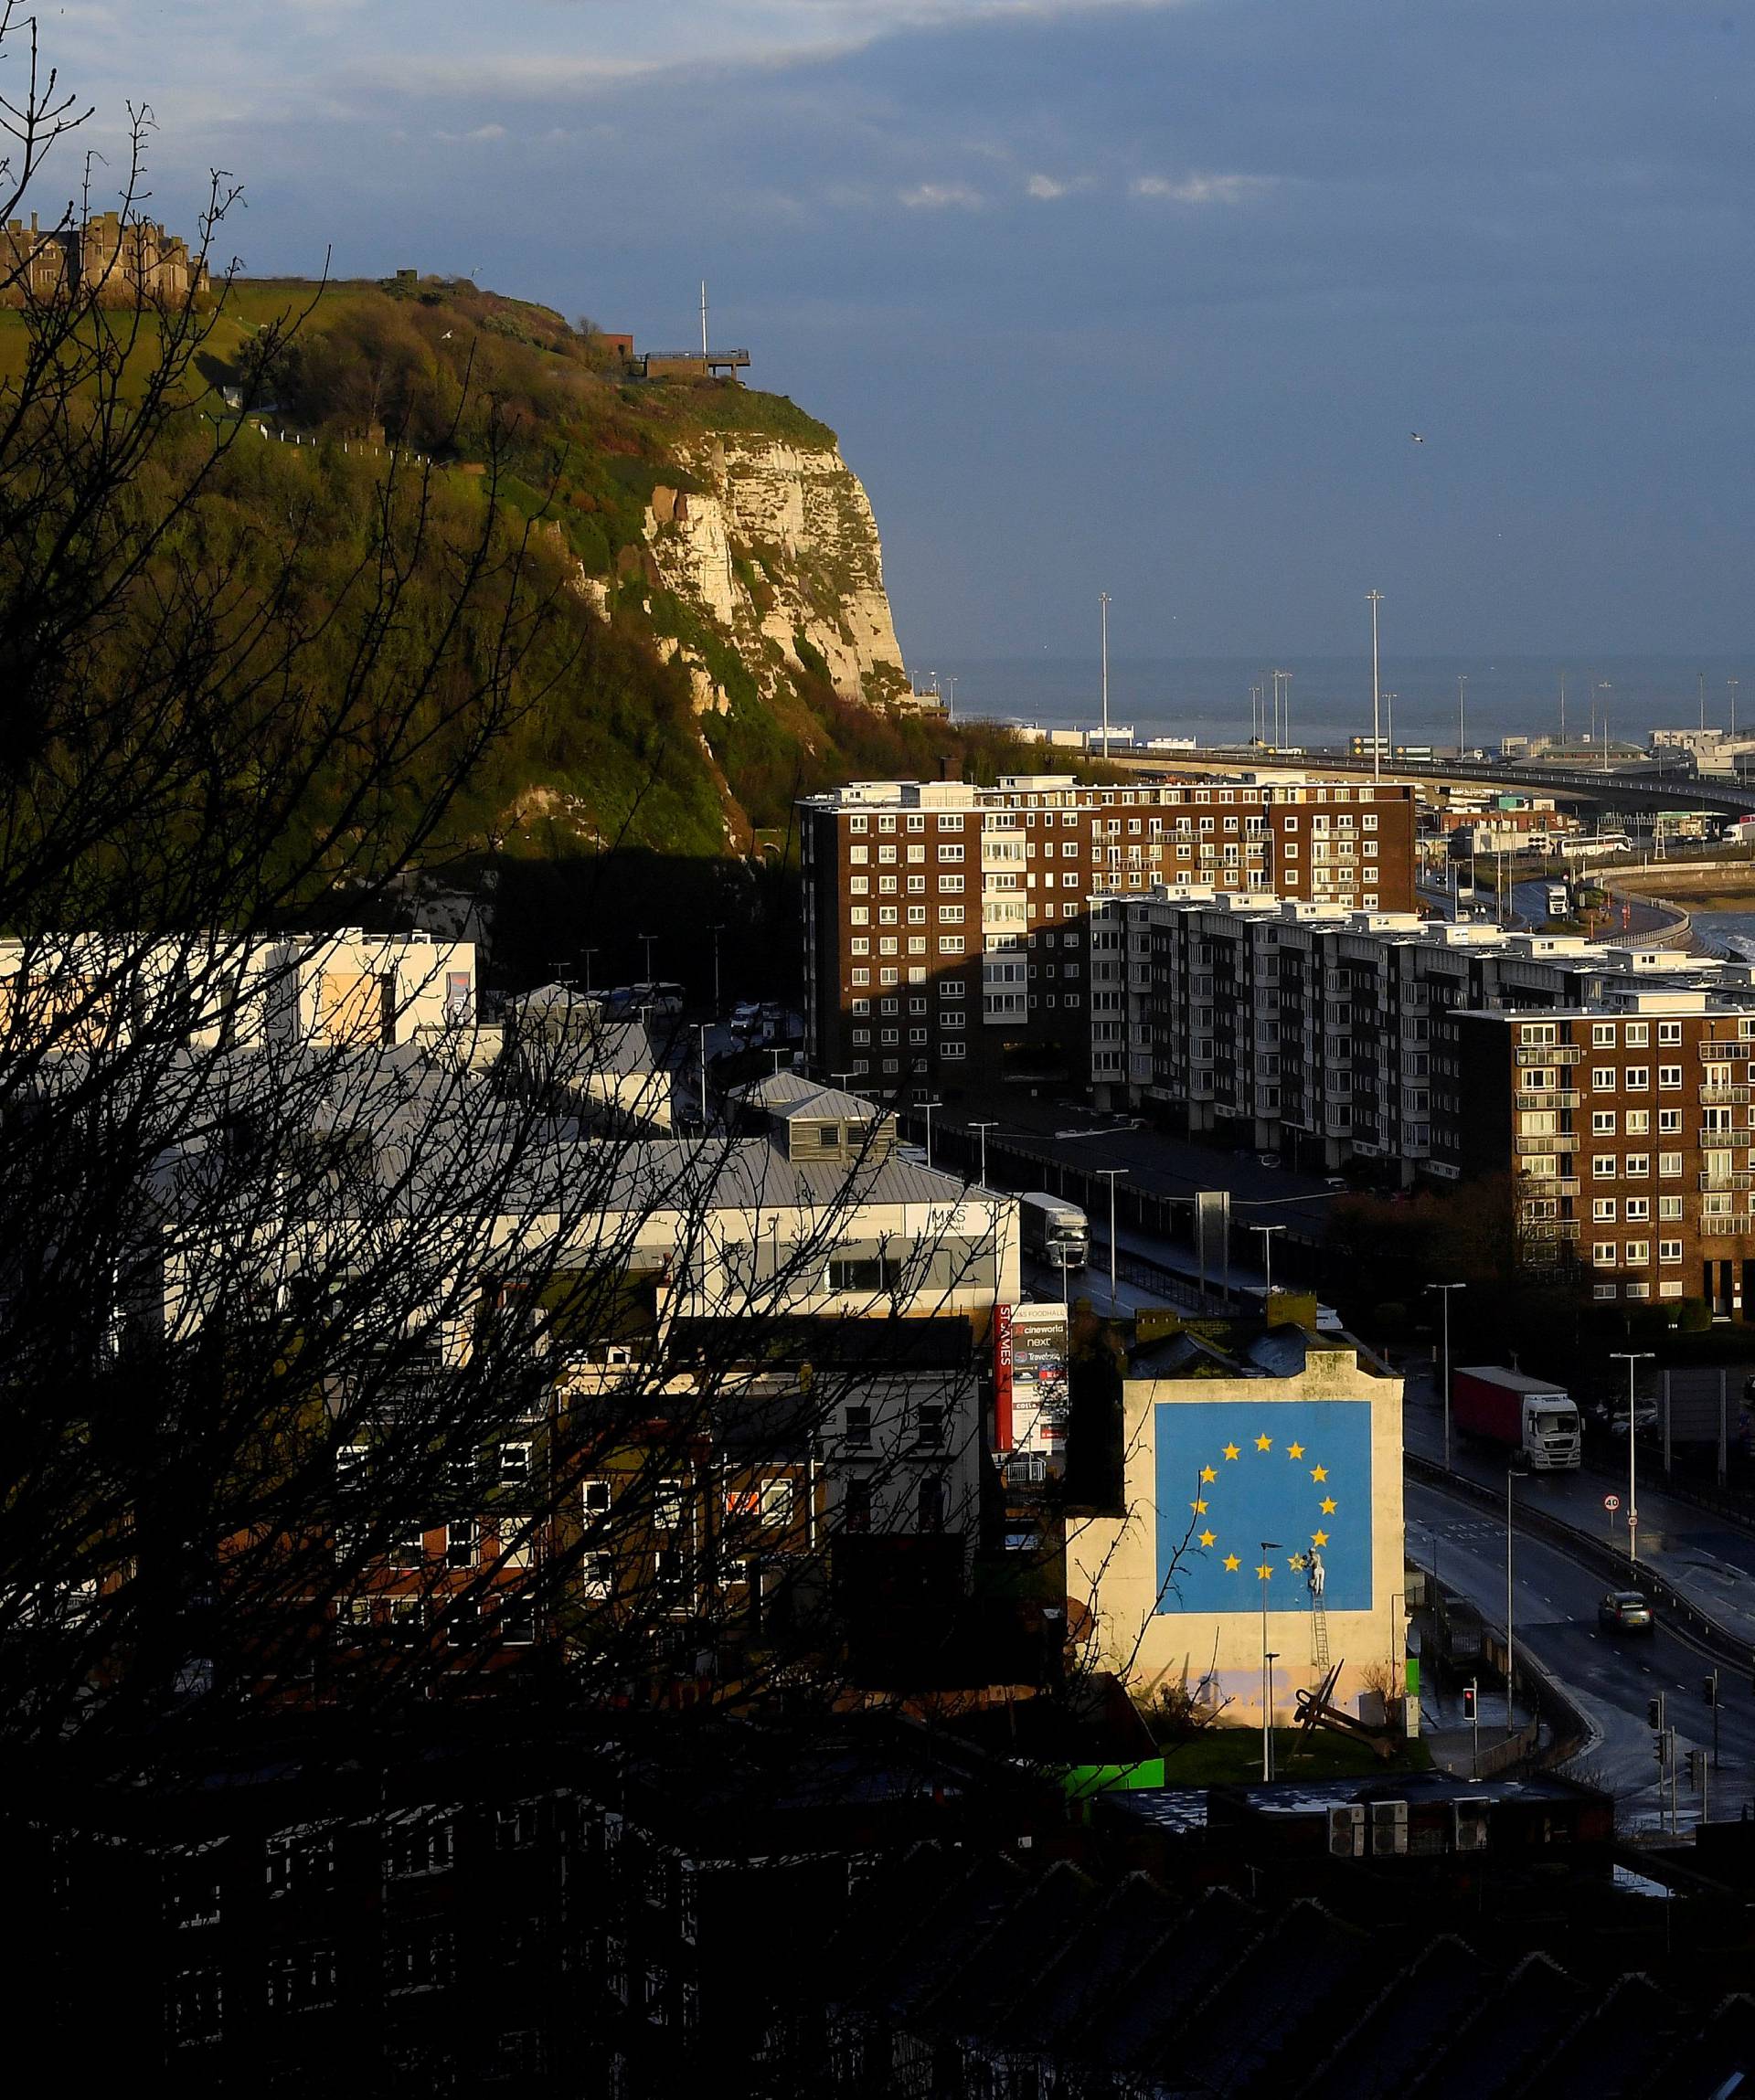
(1518, 1413)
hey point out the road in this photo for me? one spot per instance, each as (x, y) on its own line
(1710, 1561)
(1611, 1677)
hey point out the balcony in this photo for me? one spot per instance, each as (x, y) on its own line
(1562, 1141)
(1551, 1054)
(1726, 1096)
(1549, 1098)
(1550, 1228)
(1739, 1179)
(1723, 1053)
(1729, 1227)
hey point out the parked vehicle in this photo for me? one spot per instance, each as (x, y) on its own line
(1558, 903)
(1053, 1230)
(1518, 1413)
(1626, 1611)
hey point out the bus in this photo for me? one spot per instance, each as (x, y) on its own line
(1053, 1230)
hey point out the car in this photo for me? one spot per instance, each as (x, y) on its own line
(1626, 1611)
(1267, 1158)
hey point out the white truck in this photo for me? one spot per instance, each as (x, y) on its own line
(1519, 1413)
(1053, 1230)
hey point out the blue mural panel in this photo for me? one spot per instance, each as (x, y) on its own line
(1233, 1473)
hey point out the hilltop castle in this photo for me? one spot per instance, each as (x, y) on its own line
(121, 258)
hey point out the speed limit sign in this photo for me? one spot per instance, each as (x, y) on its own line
(1611, 1501)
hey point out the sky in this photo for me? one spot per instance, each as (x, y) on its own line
(1147, 298)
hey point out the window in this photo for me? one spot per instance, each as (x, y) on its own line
(1639, 1122)
(419, 1961)
(1602, 1034)
(1603, 1166)
(777, 1502)
(669, 1505)
(1602, 1254)
(1639, 1077)
(1639, 1034)
(1639, 1250)
(514, 1465)
(416, 1845)
(1639, 1164)
(1602, 1123)
(194, 2007)
(299, 1860)
(1602, 1210)
(857, 1431)
(1669, 1208)
(192, 1891)
(950, 856)
(1668, 1031)
(1602, 1078)
(865, 1272)
(1639, 1209)
(930, 1503)
(1669, 1252)
(929, 1426)
(1669, 1122)
(1669, 1077)
(302, 1979)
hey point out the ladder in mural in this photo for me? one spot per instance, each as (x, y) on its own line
(1318, 1633)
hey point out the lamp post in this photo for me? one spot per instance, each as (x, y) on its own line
(718, 1005)
(1462, 690)
(981, 1131)
(1105, 604)
(1376, 598)
(1513, 1472)
(1268, 1660)
(648, 939)
(1444, 1290)
(701, 1028)
(1630, 1357)
(585, 955)
(925, 1109)
(1112, 1175)
(1267, 1233)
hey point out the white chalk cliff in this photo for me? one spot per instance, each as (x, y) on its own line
(778, 549)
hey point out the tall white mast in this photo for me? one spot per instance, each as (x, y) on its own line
(704, 351)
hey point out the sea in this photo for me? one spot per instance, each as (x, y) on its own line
(1330, 697)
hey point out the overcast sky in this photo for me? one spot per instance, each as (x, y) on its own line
(1141, 297)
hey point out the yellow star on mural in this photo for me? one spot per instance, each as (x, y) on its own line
(1319, 1472)
(1319, 1538)
(1231, 1564)
(1296, 1563)
(1209, 1538)
(1198, 1507)
(1264, 1443)
(1230, 1450)
(1327, 1505)
(1294, 1451)
(1265, 1571)
(1207, 1474)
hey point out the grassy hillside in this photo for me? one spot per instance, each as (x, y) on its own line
(606, 751)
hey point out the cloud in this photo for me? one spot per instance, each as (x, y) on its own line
(1201, 189)
(1046, 186)
(482, 135)
(941, 196)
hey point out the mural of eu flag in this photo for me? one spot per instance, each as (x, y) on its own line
(1233, 1472)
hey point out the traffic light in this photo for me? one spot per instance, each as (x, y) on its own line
(1468, 1701)
(1655, 1710)
(1709, 1689)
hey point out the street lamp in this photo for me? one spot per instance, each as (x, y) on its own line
(1112, 1175)
(1376, 598)
(1267, 1233)
(1462, 692)
(1513, 1472)
(981, 1131)
(648, 939)
(585, 955)
(719, 1006)
(925, 1109)
(1444, 1290)
(1630, 1357)
(1268, 1660)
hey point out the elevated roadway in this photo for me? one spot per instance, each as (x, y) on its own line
(1617, 789)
